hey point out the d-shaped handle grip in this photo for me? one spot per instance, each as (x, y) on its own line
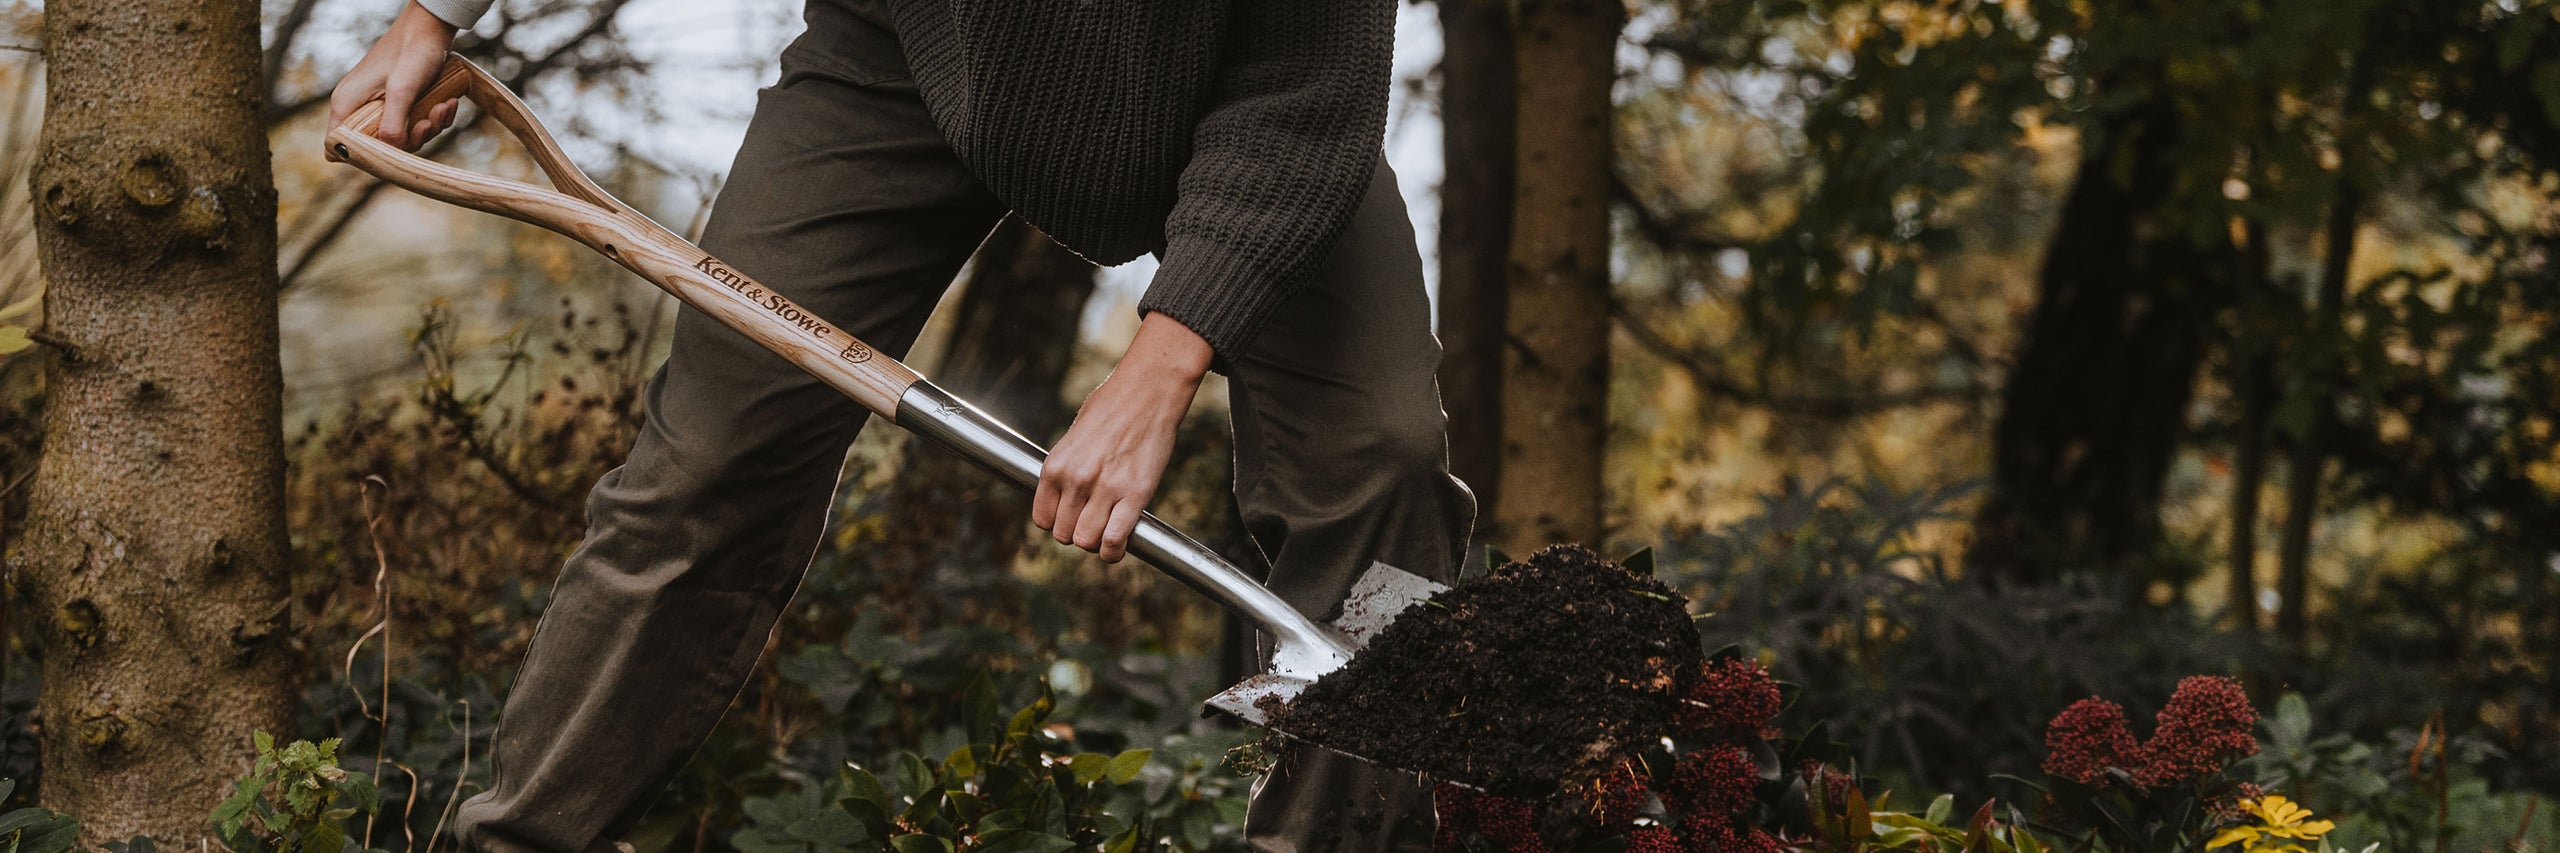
(576, 207)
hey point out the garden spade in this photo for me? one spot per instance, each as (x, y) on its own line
(574, 206)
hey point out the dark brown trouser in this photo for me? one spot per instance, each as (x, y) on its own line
(845, 198)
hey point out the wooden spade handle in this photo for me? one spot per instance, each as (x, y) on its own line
(574, 206)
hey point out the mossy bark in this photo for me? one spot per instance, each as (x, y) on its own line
(152, 558)
(1556, 366)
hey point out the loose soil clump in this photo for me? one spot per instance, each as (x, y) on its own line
(1540, 675)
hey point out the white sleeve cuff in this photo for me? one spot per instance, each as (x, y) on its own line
(460, 13)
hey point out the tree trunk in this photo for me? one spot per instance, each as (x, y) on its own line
(1012, 341)
(2095, 410)
(2253, 382)
(154, 544)
(1555, 391)
(1477, 106)
(2321, 366)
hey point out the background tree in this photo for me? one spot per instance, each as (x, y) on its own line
(1555, 387)
(154, 544)
(1478, 104)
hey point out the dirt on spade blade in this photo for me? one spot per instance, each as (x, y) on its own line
(1537, 676)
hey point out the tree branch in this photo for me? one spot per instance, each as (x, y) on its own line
(288, 30)
(1669, 231)
(599, 22)
(1710, 378)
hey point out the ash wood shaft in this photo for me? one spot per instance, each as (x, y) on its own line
(577, 208)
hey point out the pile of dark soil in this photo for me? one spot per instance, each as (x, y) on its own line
(1540, 675)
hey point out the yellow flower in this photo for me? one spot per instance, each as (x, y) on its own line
(2277, 823)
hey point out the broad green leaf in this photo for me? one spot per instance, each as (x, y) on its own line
(1127, 765)
(914, 778)
(925, 808)
(829, 826)
(859, 784)
(1088, 766)
(361, 792)
(1031, 717)
(1000, 820)
(62, 834)
(1027, 842)
(23, 818)
(325, 838)
(965, 806)
(916, 843)
(869, 813)
(980, 716)
(1941, 809)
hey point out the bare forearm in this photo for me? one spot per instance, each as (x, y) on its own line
(1105, 470)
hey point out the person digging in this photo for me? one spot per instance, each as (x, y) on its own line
(1238, 141)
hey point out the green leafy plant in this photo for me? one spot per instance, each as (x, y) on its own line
(2414, 790)
(293, 800)
(1014, 786)
(1925, 831)
(36, 830)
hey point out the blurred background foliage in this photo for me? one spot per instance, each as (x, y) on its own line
(1969, 358)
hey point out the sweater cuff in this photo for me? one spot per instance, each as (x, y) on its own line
(460, 13)
(1216, 294)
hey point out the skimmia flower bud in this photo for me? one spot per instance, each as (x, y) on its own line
(2086, 739)
(2207, 723)
(1732, 698)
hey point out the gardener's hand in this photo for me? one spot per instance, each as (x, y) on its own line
(1104, 470)
(400, 64)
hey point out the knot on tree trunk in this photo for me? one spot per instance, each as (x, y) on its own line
(142, 201)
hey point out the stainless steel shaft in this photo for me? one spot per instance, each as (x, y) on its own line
(1302, 648)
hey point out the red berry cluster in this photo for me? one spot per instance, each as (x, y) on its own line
(1702, 834)
(1717, 780)
(1732, 697)
(1618, 797)
(1710, 793)
(1652, 839)
(2086, 739)
(1492, 821)
(2207, 723)
(1715, 786)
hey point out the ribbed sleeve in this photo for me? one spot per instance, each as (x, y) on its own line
(1279, 162)
(460, 13)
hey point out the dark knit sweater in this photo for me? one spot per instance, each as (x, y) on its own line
(1233, 137)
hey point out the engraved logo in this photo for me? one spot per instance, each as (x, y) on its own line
(771, 302)
(855, 352)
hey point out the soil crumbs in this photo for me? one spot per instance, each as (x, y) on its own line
(1540, 675)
